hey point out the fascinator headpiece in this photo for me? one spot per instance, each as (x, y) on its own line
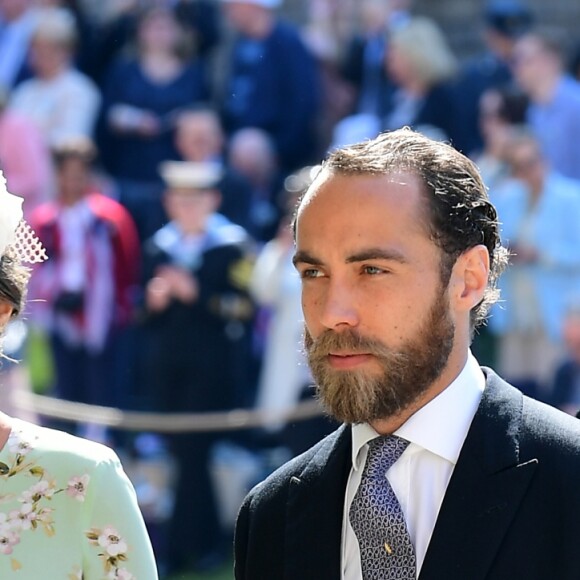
(14, 231)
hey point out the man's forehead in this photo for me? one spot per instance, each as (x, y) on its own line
(398, 177)
(322, 177)
(361, 202)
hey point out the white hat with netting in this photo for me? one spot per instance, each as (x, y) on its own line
(14, 231)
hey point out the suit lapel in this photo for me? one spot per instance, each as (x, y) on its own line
(485, 490)
(315, 511)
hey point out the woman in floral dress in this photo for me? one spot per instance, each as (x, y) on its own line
(67, 509)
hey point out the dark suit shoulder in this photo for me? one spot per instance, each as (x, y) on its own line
(549, 430)
(537, 428)
(278, 481)
(264, 531)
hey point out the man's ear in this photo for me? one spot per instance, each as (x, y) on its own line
(6, 310)
(470, 276)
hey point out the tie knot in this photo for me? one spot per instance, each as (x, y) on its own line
(383, 452)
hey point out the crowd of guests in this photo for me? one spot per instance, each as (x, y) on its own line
(160, 149)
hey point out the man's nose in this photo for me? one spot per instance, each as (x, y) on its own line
(339, 306)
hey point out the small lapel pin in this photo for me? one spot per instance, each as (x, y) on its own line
(388, 549)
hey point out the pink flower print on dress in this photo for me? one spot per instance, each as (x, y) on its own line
(120, 574)
(8, 540)
(24, 518)
(43, 488)
(110, 540)
(77, 487)
(18, 446)
(8, 536)
(114, 552)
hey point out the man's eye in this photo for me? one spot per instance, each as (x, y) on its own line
(311, 273)
(372, 270)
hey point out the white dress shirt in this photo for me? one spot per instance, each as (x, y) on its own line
(74, 224)
(419, 478)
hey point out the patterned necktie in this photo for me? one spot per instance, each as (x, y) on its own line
(376, 517)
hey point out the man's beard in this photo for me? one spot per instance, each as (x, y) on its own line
(406, 373)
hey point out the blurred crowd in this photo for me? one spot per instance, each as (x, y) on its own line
(160, 146)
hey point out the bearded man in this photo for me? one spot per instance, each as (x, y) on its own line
(441, 470)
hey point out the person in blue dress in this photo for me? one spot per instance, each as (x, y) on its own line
(143, 97)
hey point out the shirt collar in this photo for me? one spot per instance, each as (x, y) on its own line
(457, 405)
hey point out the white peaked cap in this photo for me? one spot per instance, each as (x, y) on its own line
(191, 174)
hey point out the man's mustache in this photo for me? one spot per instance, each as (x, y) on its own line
(348, 341)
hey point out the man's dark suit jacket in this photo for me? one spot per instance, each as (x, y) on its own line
(511, 510)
